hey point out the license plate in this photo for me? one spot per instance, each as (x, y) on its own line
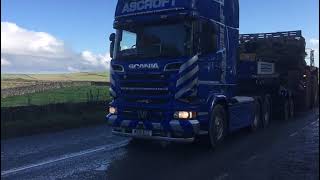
(141, 132)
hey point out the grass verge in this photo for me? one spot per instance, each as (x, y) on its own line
(24, 121)
(75, 94)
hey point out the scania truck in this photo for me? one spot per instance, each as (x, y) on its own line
(180, 69)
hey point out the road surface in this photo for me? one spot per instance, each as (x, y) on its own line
(285, 150)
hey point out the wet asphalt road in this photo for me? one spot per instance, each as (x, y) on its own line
(285, 150)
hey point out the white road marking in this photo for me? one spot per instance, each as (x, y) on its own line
(221, 177)
(315, 122)
(294, 134)
(304, 128)
(68, 156)
(252, 158)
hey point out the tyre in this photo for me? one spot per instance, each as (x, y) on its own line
(291, 108)
(266, 111)
(286, 108)
(217, 126)
(256, 123)
(138, 142)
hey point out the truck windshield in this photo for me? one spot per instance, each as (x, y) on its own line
(171, 40)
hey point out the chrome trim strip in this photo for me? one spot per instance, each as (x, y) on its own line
(145, 89)
(170, 139)
(215, 83)
(125, 123)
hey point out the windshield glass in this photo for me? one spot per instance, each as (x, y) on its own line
(171, 40)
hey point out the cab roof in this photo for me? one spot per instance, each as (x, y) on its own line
(225, 12)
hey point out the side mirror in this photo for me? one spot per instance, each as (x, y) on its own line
(112, 38)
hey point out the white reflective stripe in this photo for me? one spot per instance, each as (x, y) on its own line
(194, 93)
(112, 81)
(112, 92)
(189, 63)
(188, 76)
(175, 125)
(125, 123)
(186, 88)
(202, 113)
(242, 99)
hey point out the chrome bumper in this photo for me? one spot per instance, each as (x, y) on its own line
(176, 135)
(159, 138)
(175, 125)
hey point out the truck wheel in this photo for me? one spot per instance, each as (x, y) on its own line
(266, 111)
(285, 112)
(291, 108)
(137, 142)
(257, 117)
(217, 125)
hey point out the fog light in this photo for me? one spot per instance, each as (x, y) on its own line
(184, 115)
(112, 110)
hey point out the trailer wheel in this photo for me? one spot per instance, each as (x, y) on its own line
(266, 111)
(256, 123)
(291, 108)
(217, 126)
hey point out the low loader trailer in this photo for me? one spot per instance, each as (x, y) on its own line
(180, 69)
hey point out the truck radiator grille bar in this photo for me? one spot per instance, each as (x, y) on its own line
(139, 88)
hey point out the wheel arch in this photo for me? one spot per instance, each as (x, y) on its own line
(219, 100)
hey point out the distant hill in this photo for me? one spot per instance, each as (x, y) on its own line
(22, 80)
(82, 76)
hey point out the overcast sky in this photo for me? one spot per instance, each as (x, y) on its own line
(52, 36)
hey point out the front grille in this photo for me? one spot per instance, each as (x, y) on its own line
(144, 77)
(152, 86)
(146, 101)
(148, 83)
(144, 115)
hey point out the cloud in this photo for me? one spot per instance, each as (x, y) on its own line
(4, 62)
(16, 40)
(30, 51)
(314, 44)
(72, 69)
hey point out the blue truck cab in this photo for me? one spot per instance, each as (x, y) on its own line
(174, 72)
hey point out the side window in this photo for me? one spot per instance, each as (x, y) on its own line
(208, 38)
(128, 40)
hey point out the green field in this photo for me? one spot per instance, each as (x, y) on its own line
(20, 80)
(63, 95)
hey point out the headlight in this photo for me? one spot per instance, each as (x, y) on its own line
(185, 115)
(112, 110)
